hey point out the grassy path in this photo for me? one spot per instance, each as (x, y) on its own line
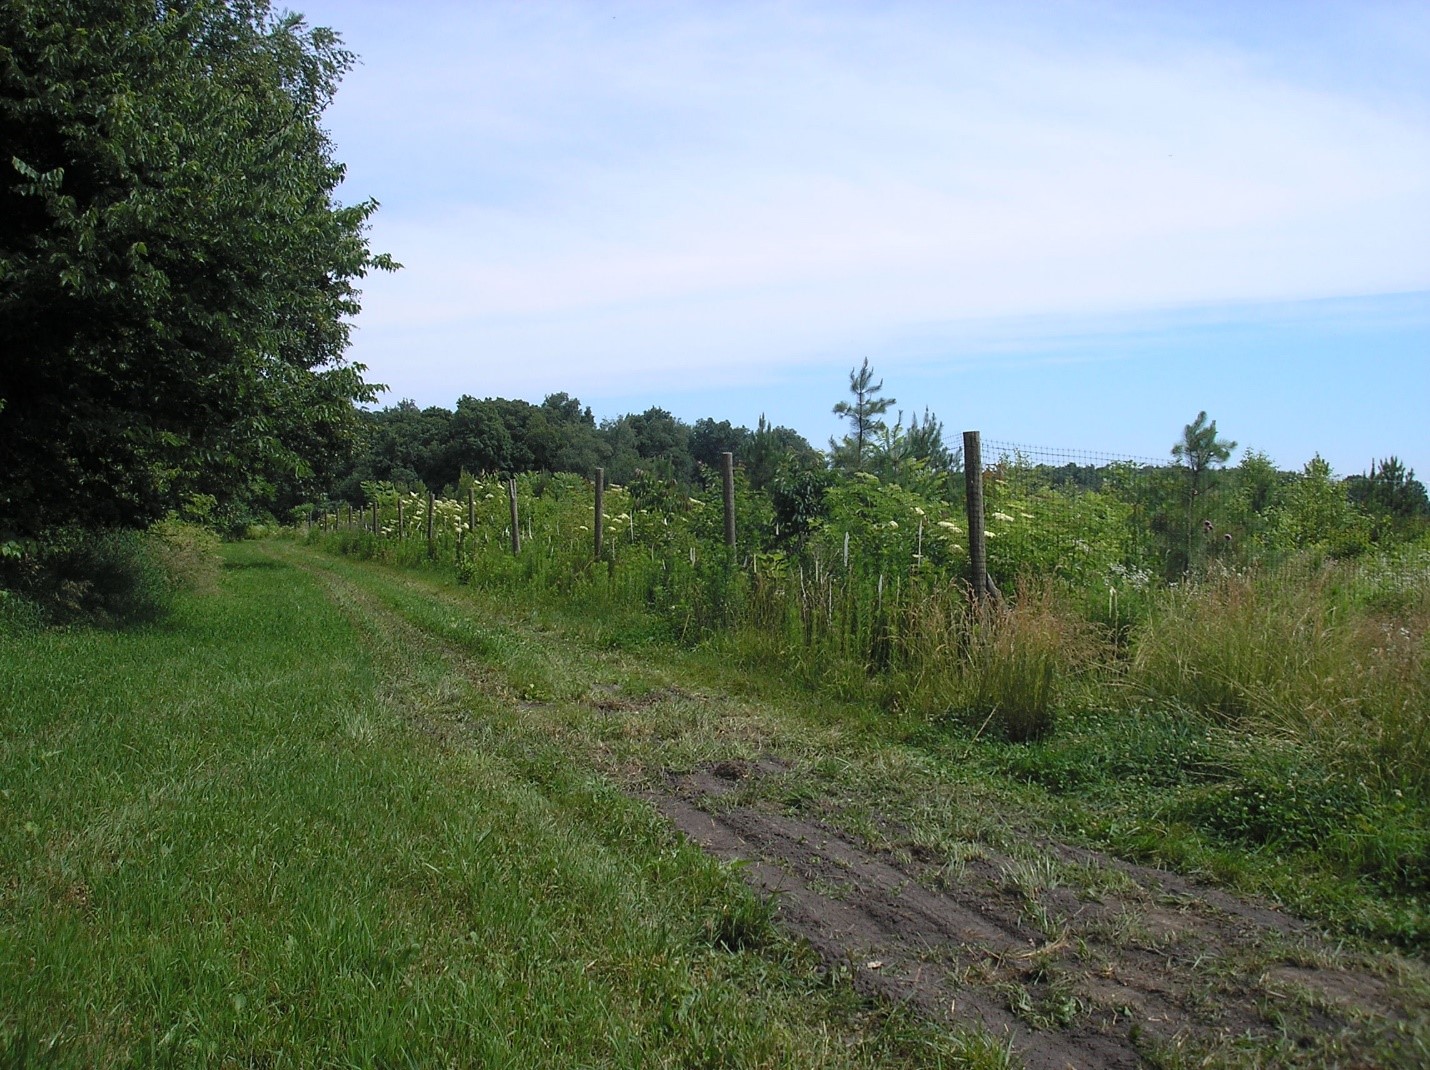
(910, 856)
(285, 829)
(343, 815)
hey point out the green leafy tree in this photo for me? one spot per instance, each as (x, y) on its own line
(709, 439)
(1314, 513)
(864, 414)
(480, 441)
(568, 440)
(771, 450)
(1392, 497)
(178, 275)
(412, 448)
(797, 495)
(1242, 518)
(654, 442)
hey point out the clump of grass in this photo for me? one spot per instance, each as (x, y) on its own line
(1294, 655)
(1018, 658)
(19, 615)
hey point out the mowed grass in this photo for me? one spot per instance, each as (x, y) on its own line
(1311, 820)
(265, 833)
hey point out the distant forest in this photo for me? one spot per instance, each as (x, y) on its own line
(431, 447)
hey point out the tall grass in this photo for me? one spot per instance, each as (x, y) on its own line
(1329, 655)
(1300, 654)
(1021, 658)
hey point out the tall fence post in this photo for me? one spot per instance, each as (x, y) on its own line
(727, 467)
(973, 482)
(599, 523)
(471, 509)
(515, 520)
(376, 529)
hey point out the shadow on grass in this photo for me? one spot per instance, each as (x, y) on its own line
(264, 564)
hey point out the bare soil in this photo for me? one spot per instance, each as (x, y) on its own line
(1140, 966)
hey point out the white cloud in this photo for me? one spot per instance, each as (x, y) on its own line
(745, 184)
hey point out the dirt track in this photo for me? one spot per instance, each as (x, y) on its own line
(1147, 966)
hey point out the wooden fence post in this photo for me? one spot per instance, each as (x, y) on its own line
(376, 525)
(973, 483)
(600, 520)
(471, 509)
(727, 468)
(399, 518)
(515, 521)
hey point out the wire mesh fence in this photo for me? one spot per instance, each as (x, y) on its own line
(1085, 517)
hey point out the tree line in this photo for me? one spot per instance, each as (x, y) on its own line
(1182, 504)
(429, 448)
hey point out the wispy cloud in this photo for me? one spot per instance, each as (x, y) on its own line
(685, 190)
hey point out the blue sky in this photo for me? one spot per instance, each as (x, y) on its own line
(1072, 224)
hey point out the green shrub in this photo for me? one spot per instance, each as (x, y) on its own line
(108, 578)
(188, 552)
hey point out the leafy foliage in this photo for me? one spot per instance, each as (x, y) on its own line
(178, 275)
(430, 448)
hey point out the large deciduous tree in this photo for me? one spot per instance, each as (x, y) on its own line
(177, 275)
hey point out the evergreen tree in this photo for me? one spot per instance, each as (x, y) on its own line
(864, 415)
(1198, 452)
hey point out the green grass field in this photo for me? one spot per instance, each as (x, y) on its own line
(264, 833)
(338, 813)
